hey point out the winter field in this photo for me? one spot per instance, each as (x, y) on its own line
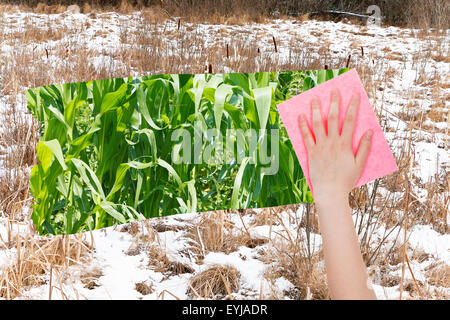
(275, 253)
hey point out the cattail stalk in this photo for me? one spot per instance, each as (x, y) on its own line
(275, 43)
(348, 61)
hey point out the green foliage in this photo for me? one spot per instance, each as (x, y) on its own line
(105, 153)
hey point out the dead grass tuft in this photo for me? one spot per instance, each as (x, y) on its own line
(143, 236)
(144, 288)
(439, 275)
(90, 278)
(160, 262)
(215, 233)
(49, 9)
(216, 281)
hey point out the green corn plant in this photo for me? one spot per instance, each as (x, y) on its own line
(106, 151)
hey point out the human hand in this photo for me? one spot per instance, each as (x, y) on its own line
(333, 167)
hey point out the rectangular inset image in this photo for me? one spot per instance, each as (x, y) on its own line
(117, 150)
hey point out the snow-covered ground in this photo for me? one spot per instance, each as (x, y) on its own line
(406, 75)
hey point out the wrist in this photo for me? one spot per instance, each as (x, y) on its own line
(331, 199)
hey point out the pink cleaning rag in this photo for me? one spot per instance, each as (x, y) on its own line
(380, 161)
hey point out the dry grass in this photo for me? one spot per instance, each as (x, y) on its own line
(215, 232)
(439, 275)
(36, 257)
(90, 278)
(291, 255)
(160, 262)
(216, 281)
(144, 235)
(425, 14)
(144, 288)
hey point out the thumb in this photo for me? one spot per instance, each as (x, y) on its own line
(363, 149)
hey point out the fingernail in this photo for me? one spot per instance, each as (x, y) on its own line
(369, 134)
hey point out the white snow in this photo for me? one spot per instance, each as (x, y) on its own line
(431, 160)
(430, 241)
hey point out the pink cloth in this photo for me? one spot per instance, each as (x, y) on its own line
(380, 161)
